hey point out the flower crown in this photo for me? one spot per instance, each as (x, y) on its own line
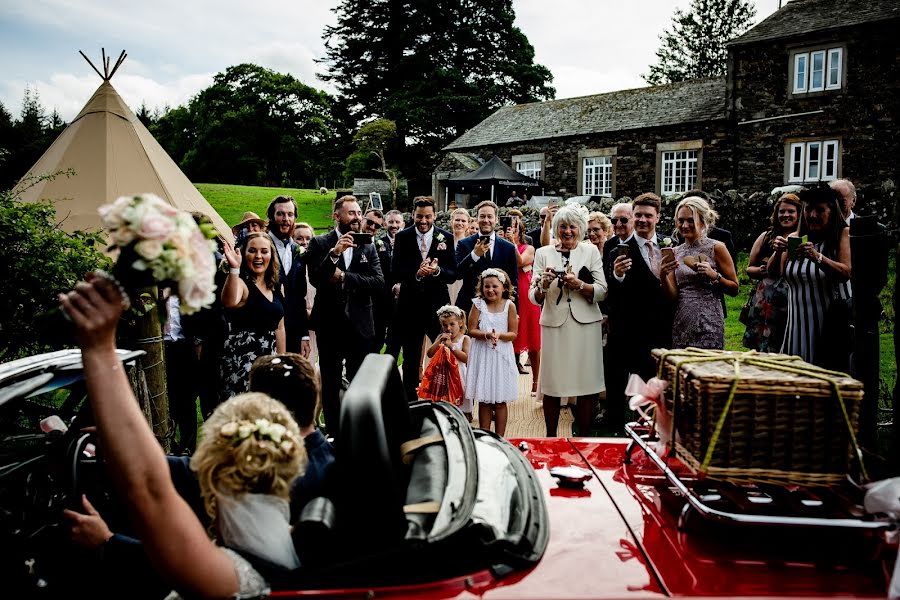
(261, 429)
(494, 273)
(449, 309)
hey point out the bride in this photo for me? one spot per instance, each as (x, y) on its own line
(250, 452)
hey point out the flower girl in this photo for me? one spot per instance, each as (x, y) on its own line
(492, 374)
(453, 335)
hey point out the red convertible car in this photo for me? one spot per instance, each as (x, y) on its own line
(426, 507)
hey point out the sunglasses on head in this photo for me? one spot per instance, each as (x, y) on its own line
(621, 220)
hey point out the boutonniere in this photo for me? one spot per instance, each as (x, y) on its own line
(440, 237)
(666, 242)
(299, 251)
(363, 259)
(379, 244)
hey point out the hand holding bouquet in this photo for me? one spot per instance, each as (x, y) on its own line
(159, 244)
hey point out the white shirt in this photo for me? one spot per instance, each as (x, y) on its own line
(646, 248)
(174, 332)
(284, 252)
(428, 235)
(348, 253)
(490, 249)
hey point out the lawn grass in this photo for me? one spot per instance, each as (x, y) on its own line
(232, 201)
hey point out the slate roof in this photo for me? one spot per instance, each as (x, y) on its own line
(800, 17)
(671, 104)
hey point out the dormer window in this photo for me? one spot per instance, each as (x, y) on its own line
(817, 70)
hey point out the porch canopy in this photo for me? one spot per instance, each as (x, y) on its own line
(496, 173)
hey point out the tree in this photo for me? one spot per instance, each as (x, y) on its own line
(372, 141)
(40, 260)
(694, 47)
(434, 68)
(26, 139)
(253, 126)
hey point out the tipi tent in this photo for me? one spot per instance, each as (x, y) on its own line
(113, 155)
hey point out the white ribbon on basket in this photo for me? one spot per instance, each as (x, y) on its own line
(650, 394)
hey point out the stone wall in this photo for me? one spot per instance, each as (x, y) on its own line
(862, 114)
(635, 159)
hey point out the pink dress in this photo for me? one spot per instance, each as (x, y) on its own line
(529, 337)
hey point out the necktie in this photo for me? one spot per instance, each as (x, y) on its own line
(422, 247)
(487, 255)
(654, 259)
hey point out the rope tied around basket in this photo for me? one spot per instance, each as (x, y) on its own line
(778, 362)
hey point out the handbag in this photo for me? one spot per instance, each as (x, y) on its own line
(441, 380)
(745, 310)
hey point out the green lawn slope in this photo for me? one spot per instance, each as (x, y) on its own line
(232, 201)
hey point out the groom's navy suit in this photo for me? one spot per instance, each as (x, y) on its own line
(502, 256)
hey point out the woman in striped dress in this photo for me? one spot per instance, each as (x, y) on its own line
(818, 278)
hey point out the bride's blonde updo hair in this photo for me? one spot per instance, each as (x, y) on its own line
(250, 444)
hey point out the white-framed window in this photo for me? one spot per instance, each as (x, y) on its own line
(817, 70)
(598, 175)
(531, 168)
(813, 160)
(679, 171)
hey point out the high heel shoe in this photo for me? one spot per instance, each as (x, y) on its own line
(522, 370)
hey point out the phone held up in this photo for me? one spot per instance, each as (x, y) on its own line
(623, 250)
(361, 239)
(505, 222)
(794, 243)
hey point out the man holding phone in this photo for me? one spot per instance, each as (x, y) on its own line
(346, 275)
(641, 314)
(482, 251)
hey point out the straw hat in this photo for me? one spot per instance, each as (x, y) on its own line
(249, 217)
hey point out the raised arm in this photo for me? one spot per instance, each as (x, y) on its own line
(168, 527)
(234, 292)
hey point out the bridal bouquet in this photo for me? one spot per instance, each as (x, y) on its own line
(159, 244)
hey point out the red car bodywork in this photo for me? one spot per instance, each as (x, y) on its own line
(618, 538)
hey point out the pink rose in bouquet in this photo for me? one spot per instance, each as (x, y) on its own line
(160, 245)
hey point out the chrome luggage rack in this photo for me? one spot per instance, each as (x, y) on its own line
(758, 504)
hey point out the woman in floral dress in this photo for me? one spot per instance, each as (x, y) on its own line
(767, 313)
(254, 309)
(700, 271)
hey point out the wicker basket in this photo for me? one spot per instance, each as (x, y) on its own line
(760, 417)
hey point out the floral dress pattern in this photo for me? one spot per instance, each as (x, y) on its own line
(699, 318)
(251, 334)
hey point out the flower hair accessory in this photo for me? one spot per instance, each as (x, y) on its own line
(449, 309)
(262, 430)
(494, 273)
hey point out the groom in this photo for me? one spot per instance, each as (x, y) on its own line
(482, 251)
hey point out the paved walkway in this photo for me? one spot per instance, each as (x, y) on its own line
(526, 418)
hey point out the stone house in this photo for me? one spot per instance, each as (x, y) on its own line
(811, 93)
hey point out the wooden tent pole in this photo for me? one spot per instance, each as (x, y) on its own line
(90, 63)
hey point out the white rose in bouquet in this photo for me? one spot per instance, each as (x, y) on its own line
(159, 244)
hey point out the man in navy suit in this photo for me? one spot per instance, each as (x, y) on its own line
(346, 277)
(423, 266)
(282, 213)
(482, 251)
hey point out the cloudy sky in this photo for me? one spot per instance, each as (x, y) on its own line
(176, 46)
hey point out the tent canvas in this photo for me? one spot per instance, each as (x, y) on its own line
(112, 155)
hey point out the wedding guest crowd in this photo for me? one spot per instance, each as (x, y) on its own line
(577, 303)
